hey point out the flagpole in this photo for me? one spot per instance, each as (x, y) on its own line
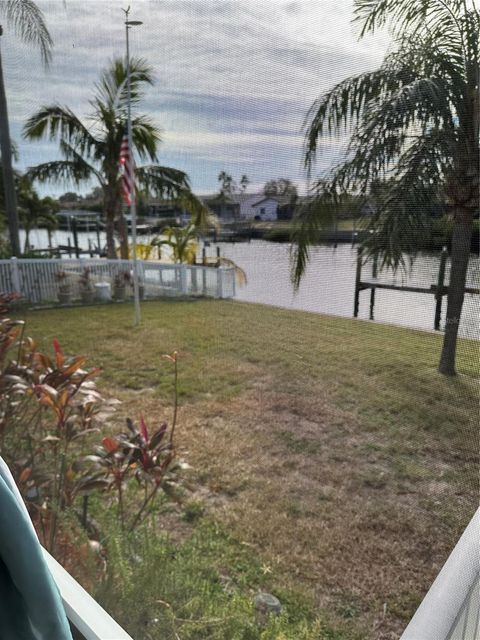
(133, 208)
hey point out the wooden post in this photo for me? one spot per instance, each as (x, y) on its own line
(69, 247)
(218, 256)
(204, 271)
(358, 275)
(372, 290)
(98, 235)
(439, 291)
(75, 238)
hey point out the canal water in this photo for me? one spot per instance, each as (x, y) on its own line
(329, 282)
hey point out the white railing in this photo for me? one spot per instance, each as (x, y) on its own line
(38, 280)
(83, 612)
(85, 615)
(451, 608)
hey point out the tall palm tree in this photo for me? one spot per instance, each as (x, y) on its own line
(413, 126)
(28, 22)
(91, 148)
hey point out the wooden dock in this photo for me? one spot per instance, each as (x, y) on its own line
(438, 290)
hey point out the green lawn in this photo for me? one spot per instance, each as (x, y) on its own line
(329, 448)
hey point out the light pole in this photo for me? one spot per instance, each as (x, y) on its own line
(133, 210)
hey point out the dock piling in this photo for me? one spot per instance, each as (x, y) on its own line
(204, 273)
(438, 290)
(75, 238)
(97, 229)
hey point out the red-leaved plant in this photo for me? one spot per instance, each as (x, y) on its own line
(148, 456)
(46, 405)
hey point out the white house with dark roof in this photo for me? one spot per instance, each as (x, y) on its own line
(245, 201)
(265, 209)
(250, 206)
(257, 206)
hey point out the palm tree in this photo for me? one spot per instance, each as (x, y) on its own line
(227, 183)
(183, 245)
(182, 241)
(91, 149)
(414, 126)
(244, 182)
(27, 21)
(35, 211)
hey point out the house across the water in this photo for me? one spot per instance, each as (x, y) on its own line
(250, 206)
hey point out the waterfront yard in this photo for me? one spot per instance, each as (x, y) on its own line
(329, 449)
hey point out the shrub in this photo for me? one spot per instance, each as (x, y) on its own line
(49, 407)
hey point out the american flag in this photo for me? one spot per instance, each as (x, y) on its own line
(127, 165)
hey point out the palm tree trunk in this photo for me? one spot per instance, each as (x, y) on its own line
(8, 178)
(461, 239)
(110, 232)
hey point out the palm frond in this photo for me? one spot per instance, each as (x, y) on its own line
(183, 242)
(317, 213)
(112, 90)
(414, 84)
(57, 122)
(337, 110)
(145, 137)
(66, 171)
(72, 155)
(29, 23)
(240, 274)
(200, 214)
(407, 14)
(405, 207)
(162, 181)
(165, 182)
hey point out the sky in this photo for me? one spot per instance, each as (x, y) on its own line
(233, 79)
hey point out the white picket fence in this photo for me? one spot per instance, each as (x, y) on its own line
(37, 280)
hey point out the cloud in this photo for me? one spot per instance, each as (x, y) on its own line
(234, 79)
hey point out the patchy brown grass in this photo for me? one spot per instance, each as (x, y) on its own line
(299, 481)
(331, 447)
